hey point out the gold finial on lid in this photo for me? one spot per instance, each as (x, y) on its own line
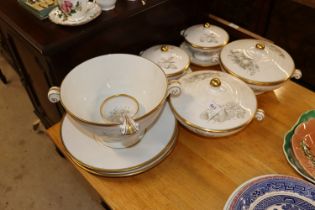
(164, 48)
(215, 82)
(206, 25)
(260, 46)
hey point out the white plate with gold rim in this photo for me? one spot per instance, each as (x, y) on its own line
(57, 17)
(214, 104)
(94, 155)
(136, 170)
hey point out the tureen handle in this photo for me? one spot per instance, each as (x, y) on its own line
(260, 114)
(54, 94)
(174, 88)
(182, 32)
(297, 74)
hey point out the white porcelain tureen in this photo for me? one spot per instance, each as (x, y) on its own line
(173, 60)
(214, 103)
(203, 43)
(262, 65)
(114, 98)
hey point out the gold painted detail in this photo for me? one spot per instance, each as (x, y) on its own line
(215, 82)
(164, 48)
(260, 46)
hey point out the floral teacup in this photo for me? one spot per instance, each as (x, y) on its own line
(73, 10)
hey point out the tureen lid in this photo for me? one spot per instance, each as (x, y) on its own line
(173, 60)
(257, 62)
(206, 36)
(214, 101)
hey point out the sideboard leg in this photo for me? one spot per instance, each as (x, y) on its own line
(59, 152)
(105, 205)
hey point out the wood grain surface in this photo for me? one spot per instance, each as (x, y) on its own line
(202, 172)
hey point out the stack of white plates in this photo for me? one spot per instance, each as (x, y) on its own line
(99, 159)
(272, 192)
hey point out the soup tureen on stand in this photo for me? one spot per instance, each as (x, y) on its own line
(173, 60)
(214, 103)
(114, 98)
(203, 43)
(262, 65)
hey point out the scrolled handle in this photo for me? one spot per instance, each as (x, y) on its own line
(174, 88)
(182, 32)
(54, 94)
(297, 74)
(260, 114)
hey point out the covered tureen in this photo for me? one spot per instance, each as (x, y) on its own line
(203, 43)
(173, 60)
(214, 103)
(262, 65)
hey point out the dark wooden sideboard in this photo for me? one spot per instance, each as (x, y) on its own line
(43, 52)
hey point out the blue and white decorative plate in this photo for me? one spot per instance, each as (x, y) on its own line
(273, 192)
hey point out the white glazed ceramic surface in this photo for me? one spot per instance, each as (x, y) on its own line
(269, 65)
(206, 36)
(93, 155)
(56, 16)
(201, 57)
(173, 60)
(106, 5)
(214, 111)
(84, 89)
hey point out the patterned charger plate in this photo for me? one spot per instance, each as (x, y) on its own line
(287, 146)
(273, 192)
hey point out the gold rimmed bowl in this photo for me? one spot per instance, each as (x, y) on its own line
(107, 84)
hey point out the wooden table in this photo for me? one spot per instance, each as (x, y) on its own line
(201, 172)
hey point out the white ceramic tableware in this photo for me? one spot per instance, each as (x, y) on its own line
(84, 89)
(262, 65)
(106, 5)
(74, 10)
(214, 103)
(57, 16)
(173, 60)
(204, 43)
(152, 149)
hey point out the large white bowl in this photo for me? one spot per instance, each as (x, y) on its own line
(85, 88)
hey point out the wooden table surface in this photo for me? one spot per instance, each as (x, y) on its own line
(202, 172)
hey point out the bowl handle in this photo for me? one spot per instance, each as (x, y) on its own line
(54, 94)
(260, 115)
(174, 88)
(297, 74)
